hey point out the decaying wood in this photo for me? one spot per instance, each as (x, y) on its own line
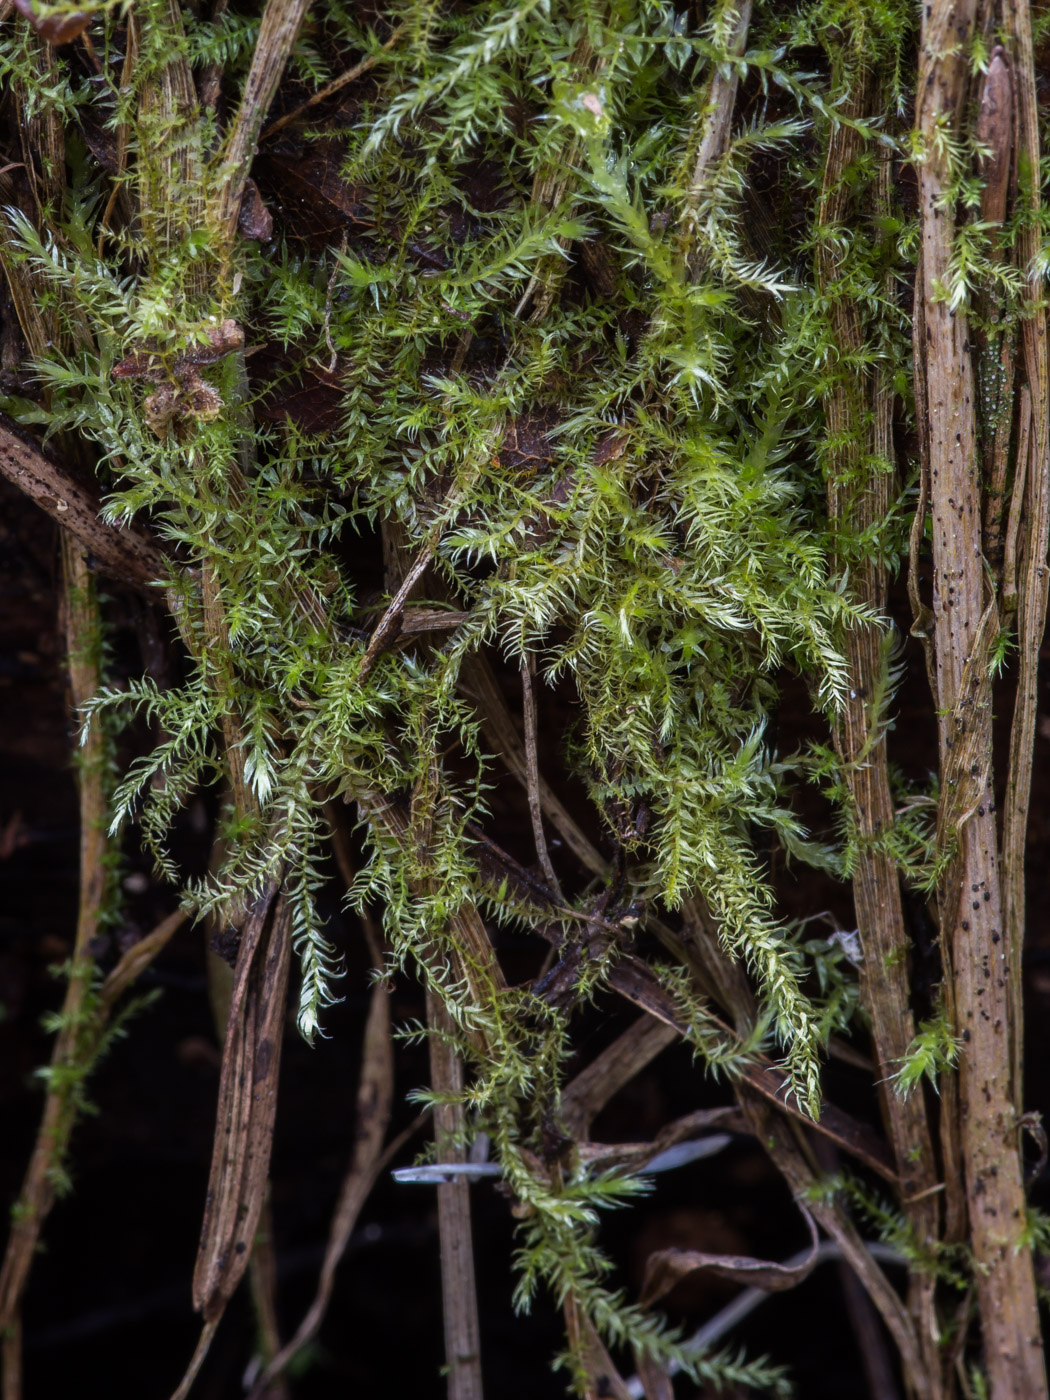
(124, 554)
(972, 923)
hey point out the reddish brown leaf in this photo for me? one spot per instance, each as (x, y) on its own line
(309, 185)
(254, 221)
(526, 441)
(56, 29)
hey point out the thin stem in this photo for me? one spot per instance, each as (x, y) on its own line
(533, 784)
(458, 1288)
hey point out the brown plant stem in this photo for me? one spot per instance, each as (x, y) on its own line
(84, 1015)
(351, 75)
(458, 1287)
(122, 554)
(78, 1037)
(532, 768)
(277, 34)
(1034, 584)
(858, 413)
(964, 622)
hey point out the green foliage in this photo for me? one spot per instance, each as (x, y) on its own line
(948, 1263)
(934, 1050)
(662, 554)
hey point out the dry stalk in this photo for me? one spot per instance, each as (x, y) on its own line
(277, 34)
(532, 769)
(972, 922)
(79, 1035)
(458, 1288)
(1033, 586)
(849, 406)
(247, 1104)
(375, 1097)
(336, 85)
(84, 1016)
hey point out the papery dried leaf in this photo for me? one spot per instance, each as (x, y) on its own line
(255, 220)
(667, 1267)
(247, 1104)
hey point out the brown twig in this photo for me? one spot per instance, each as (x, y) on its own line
(1033, 587)
(210, 82)
(336, 85)
(83, 1025)
(532, 769)
(352, 1197)
(1013, 524)
(138, 957)
(123, 554)
(458, 1288)
(479, 684)
(586, 1095)
(277, 34)
(718, 110)
(375, 1095)
(11, 1359)
(387, 626)
(262, 1283)
(859, 416)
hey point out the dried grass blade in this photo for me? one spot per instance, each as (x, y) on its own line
(80, 1035)
(532, 771)
(586, 1095)
(458, 1287)
(247, 1104)
(602, 1379)
(479, 683)
(375, 1097)
(277, 34)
